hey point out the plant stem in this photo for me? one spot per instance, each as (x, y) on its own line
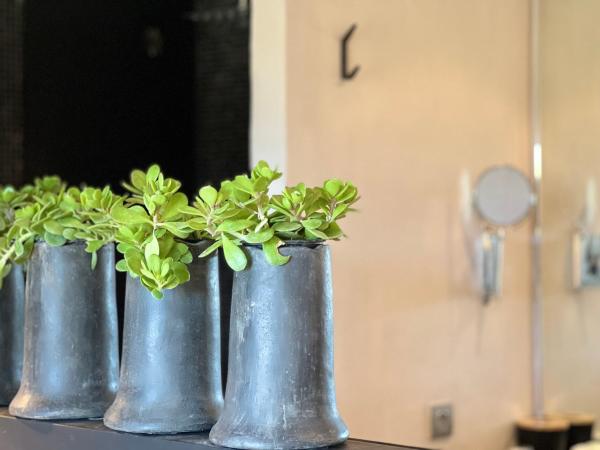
(12, 249)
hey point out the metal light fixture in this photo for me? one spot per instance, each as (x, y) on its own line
(502, 197)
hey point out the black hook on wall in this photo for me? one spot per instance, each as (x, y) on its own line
(345, 72)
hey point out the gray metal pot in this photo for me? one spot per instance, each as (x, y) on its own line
(12, 301)
(280, 387)
(171, 366)
(70, 366)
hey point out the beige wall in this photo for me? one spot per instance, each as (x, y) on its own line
(443, 88)
(268, 139)
(570, 113)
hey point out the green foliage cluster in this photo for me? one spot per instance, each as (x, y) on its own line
(235, 214)
(243, 212)
(50, 211)
(150, 224)
(10, 200)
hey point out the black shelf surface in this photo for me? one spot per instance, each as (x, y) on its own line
(22, 434)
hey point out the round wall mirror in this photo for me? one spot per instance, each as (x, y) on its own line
(503, 196)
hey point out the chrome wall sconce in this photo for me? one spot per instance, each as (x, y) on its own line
(585, 244)
(502, 197)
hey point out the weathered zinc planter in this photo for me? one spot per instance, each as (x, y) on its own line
(280, 387)
(171, 366)
(70, 367)
(12, 301)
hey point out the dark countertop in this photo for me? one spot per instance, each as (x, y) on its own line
(22, 434)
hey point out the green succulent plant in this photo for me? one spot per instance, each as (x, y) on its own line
(235, 214)
(302, 213)
(51, 212)
(10, 200)
(150, 226)
(243, 212)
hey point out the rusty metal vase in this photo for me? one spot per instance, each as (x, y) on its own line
(280, 387)
(70, 365)
(12, 305)
(171, 367)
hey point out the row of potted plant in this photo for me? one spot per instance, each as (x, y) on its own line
(280, 389)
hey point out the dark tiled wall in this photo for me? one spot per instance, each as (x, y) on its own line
(115, 84)
(11, 79)
(108, 87)
(222, 87)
